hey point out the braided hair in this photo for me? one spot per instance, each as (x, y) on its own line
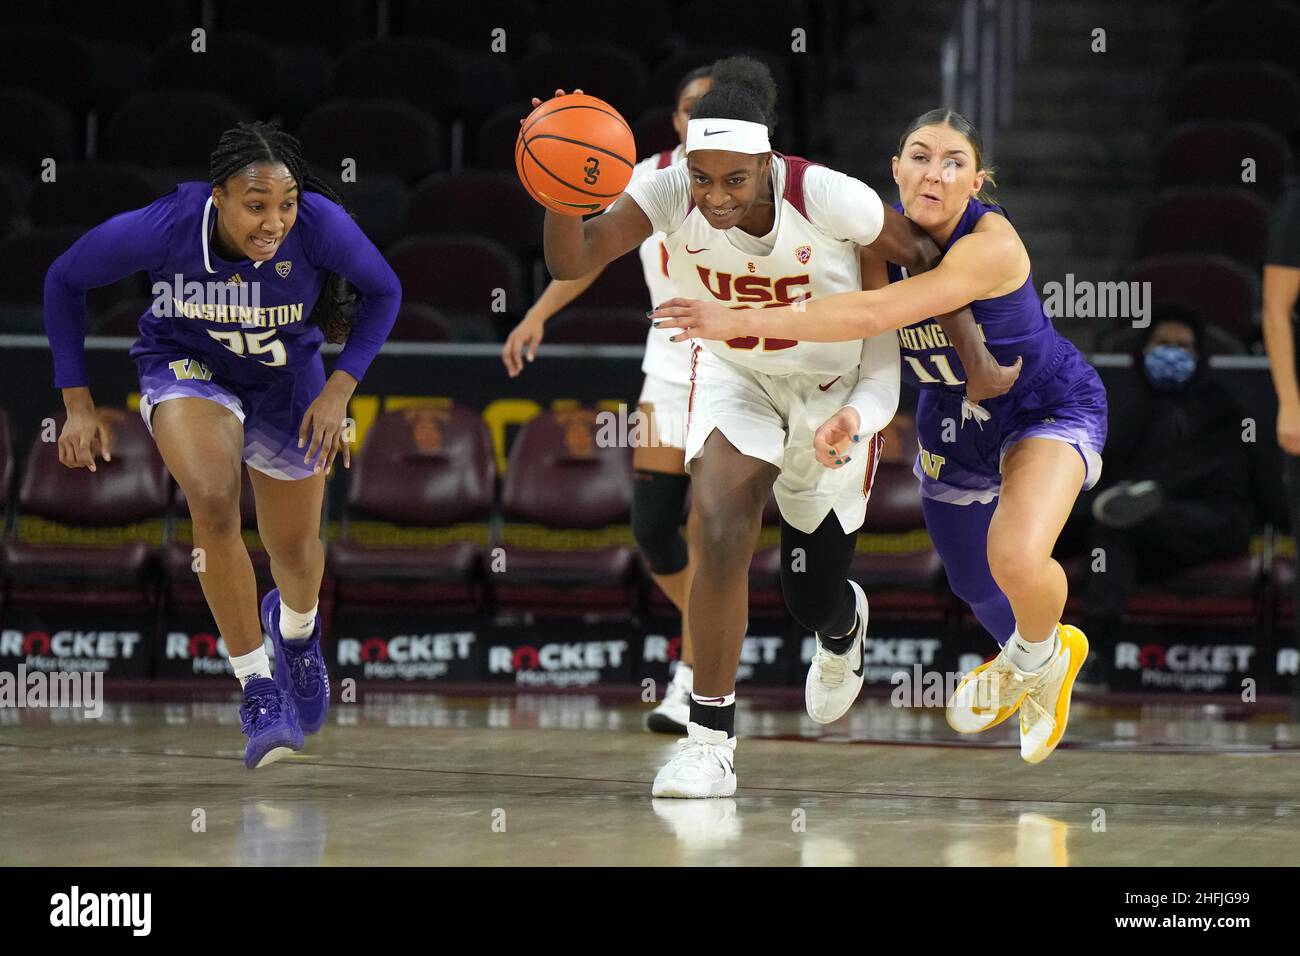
(260, 142)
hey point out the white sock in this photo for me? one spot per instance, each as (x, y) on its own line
(1030, 656)
(295, 626)
(250, 665)
(684, 675)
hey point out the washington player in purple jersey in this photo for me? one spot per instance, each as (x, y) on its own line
(251, 274)
(998, 479)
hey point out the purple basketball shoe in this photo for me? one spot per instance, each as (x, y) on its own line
(299, 667)
(270, 723)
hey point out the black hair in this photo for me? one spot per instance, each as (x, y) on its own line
(259, 142)
(1169, 312)
(947, 117)
(699, 73)
(743, 89)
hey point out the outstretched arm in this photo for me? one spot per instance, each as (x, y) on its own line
(973, 267)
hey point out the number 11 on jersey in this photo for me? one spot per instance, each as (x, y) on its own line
(941, 364)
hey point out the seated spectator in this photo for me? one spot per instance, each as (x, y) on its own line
(1175, 488)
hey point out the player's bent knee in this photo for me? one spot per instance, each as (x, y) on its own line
(214, 509)
(1014, 571)
(726, 532)
(657, 500)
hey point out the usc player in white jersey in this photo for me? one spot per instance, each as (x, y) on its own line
(750, 227)
(660, 481)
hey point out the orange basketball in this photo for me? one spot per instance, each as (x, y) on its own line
(575, 154)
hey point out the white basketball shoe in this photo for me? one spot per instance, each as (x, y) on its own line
(704, 766)
(674, 711)
(835, 680)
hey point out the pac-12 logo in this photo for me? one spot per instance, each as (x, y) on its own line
(803, 254)
(592, 170)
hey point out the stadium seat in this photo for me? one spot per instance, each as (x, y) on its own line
(474, 23)
(381, 136)
(80, 538)
(13, 199)
(135, 135)
(1222, 221)
(661, 87)
(150, 21)
(895, 562)
(1242, 91)
(1262, 30)
(494, 140)
(419, 71)
(85, 194)
(458, 274)
(764, 25)
(1218, 288)
(50, 62)
(600, 69)
(6, 467)
(654, 131)
(566, 506)
(375, 202)
(421, 323)
(176, 68)
(121, 320)
(47, 129)
(1212, 153)
(1226, 590)
(495, 203)
(332, 24)
(621, 285)
(183, 588)
(419, 501)
(27, 257)
(608, 23)
(597, 326)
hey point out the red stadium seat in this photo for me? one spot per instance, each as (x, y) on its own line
(122, 320)
(419, 501)
(46, 126)
(1218, 288)
(1212, 153)
(597, 326)
(1226, 222)
(421, 72)
(458, 274)
(566, 505)
(150, 21)
(6, 464)
(1242, 91)
(381, 136)
(375, 202)
(421, 323)
(176, 67)
(494, 205)
(110, 505)
(601, 70)
(621, 285)
(1261, 30)
(136, 134)
(85, 194)
(661, 90)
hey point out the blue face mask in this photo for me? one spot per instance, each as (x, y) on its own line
(1169, 366)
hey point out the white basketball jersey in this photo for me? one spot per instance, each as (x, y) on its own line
(663, 358)
(804, 262)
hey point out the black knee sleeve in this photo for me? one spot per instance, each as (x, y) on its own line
(814, 573)
(657, 501)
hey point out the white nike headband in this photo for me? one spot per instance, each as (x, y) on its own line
(733, 136)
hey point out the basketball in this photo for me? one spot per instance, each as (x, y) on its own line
(575, 154)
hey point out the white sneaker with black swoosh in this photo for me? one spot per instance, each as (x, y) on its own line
(704, 766)
(835, 680)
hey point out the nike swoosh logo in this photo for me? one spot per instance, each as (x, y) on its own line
(693, 251)
(830, 383)
(711, 700)
(715, 132)
(862, 663)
